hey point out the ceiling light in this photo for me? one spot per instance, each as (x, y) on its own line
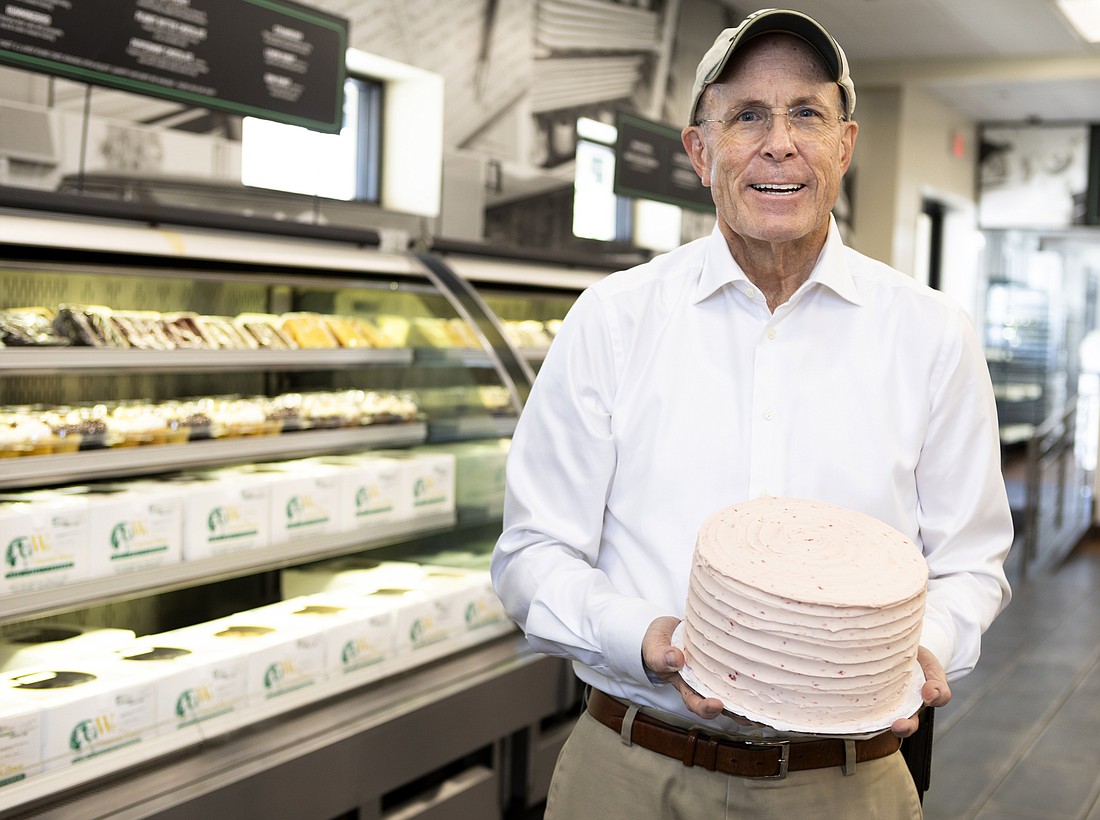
(1085, 17)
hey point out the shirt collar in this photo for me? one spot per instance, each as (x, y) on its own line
(831, 270)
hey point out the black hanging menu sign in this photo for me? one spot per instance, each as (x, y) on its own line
(650, 163)
(273, 59)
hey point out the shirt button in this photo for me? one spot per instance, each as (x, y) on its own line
(768, 414)
(752, 293)
(771, 333)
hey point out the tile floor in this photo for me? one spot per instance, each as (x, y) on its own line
(1020, 739)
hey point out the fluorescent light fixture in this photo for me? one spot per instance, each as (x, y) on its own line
(589, 129)
(1085, 17)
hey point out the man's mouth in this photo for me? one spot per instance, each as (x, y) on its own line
(778, 189)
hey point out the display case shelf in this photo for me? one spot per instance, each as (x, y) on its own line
(467, 428)
(30, 360)
(533, 355)
(76, 594)
(117, 462)
(452, 357)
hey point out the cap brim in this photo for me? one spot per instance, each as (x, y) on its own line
(782, 21)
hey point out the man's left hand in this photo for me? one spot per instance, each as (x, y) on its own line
(934, 692)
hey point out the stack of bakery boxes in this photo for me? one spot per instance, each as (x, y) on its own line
(72, 693)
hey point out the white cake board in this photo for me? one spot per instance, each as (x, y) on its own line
(909, 706)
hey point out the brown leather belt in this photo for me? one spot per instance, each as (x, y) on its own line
(764, 758)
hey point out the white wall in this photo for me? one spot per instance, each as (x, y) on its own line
(874, 173)
(927, 166)
(912, 147)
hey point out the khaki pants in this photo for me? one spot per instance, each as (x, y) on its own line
(598, 777)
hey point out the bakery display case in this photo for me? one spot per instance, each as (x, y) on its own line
(528, 296)
(248, 489)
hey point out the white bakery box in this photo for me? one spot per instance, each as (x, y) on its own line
(357, 635)
(28, 649)
(373, 489)
(31, 645)
(479, 475)
(279, 656)
(222, 512)
(430, 473)
(88, 707)
(20, 741)
(44, 541)
(304, 497)
(432, 605)
(130, 526)
(196, 680)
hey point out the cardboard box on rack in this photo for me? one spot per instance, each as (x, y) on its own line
(472, 590)
(196, 680)
(89, 708)
(44, 542)
(360, 573)
(479, 475)
(430, 474)
(279, 657)
(358, 635)
(304, 497)
(373, 490)
(45, 644)
(431, 604)
(419, 620)
(130, 526)
(222, 512)
(20, 741)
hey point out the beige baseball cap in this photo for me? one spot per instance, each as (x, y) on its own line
(774, 20)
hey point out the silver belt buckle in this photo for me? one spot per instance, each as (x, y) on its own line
(784, 747)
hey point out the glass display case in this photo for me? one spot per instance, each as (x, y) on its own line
(150, 371)
(529, 297)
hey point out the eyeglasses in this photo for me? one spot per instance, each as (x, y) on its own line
(752, 123)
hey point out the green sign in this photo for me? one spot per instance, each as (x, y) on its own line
(651, 163)
(273, 59)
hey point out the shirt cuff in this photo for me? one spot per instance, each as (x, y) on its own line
(937, 641)
(624, 626)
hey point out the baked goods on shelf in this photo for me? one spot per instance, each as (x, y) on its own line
(26, 431)
(182, 330)
(308, 330)
(25, 436)
(531, 333)
(264, 329)
(102, 326)
(29, 326)
(89, 325)
(353, 331)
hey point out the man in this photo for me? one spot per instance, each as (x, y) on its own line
(766, 358)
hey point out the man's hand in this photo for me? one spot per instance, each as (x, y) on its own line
(934, 692)
(665, 661)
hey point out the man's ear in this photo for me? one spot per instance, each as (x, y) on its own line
(692, 138)
(848, 144)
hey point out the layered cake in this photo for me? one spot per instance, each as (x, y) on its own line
(805, 616)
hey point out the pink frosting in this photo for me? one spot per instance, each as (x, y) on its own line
(805, 614)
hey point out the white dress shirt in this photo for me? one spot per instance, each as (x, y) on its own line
(672, 392)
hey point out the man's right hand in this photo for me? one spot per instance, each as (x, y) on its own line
(665, 662)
